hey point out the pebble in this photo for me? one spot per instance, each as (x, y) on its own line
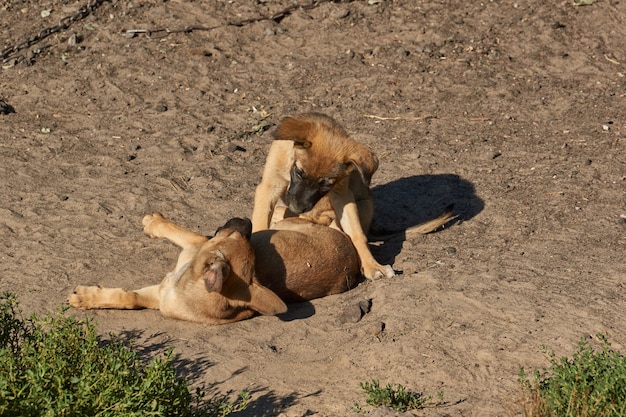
(365, 306)
(492, 154)
(233, 147)
(161, 108)
(351, 314)
(73, 40)
(339, 13)
(6, 108)
(403, 52)
(200, 52)
(375, 329)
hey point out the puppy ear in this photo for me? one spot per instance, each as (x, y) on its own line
(216, 273)
(365, 162)
(265, 301)
(296, 130)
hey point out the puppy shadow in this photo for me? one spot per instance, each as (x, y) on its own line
(411, 201)
(298, 311)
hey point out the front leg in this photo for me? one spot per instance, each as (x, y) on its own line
(87, 298)
(157, 226)
(348, 216)
(266, 197)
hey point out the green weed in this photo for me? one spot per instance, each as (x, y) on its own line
(592, 383)
(59, 366)
(398, 398)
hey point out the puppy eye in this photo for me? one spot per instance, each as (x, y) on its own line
(298, 173)
(326, 184)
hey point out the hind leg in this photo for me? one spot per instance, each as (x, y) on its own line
(157, 226)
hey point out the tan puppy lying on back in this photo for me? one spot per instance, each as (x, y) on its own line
(217, 281)
(320, 173)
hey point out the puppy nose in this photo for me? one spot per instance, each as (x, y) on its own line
(296, 208)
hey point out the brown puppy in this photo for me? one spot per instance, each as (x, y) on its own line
(300, 260)
(320, 173)
(215, 281)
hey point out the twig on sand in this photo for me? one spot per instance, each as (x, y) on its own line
(406, 118)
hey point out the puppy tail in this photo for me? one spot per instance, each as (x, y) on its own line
(421, 229)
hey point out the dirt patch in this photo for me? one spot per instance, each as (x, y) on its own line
(513, 111)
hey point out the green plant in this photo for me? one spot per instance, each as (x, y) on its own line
(592, 383)
(59, 366)
(398, 398)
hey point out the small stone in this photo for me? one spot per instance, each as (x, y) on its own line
(200, 52)
(451, 250)
(492, 154)
(375, 329)
(6, 108)
(365, 306)
(351, 314)
(73, 40)
(403, 52)
(233, 147)
(161, 108)
(339, 13)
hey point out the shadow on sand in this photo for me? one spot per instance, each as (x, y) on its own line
(411, 201)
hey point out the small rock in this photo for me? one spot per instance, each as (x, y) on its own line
(161, 108)
(403, 52)
(451, 250)
(368, 53)
(6, 108)
(365, 306)
(351, 314)
(375, 329)
(200, 52)
(233, 147)
(72, 40)
(339, 13)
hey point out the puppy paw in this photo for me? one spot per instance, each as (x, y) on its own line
(82, 296)
(149, 223)
(378, 272)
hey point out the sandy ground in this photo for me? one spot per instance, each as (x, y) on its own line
(515, 112)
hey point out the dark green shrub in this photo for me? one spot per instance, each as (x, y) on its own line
(592, 383)
(59, 366)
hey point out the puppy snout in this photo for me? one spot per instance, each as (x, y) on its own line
(296, 208)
